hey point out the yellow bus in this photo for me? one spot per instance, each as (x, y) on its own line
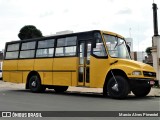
(93, 59)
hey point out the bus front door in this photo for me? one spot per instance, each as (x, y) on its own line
(84, 63)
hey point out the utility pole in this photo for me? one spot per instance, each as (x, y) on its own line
(155, 19)
(156, 44)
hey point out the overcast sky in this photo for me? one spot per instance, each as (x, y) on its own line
(130, 18)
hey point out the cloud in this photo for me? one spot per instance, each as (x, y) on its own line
(46, 14)
(80, 15)
(125, 11)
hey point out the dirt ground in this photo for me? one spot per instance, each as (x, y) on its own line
(7, 85)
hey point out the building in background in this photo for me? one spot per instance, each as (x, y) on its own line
(60, 33)
(64, 32)
(140, 56)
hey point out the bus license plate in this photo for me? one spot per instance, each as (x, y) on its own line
(152, 82)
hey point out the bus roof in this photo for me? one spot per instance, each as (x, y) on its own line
(69, 34)
(112, 33)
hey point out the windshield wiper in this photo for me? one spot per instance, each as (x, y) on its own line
(118, 44)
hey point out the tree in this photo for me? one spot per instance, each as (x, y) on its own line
(148, 51)
(28, 32)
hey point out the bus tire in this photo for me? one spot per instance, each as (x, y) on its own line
(60, 89)
(141, 91)
(35, 84)
(123, 87)
(105, 93)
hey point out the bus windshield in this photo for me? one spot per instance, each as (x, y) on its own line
(116, 47)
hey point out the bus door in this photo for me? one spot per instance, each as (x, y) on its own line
(84, 63)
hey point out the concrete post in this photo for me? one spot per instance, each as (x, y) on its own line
(156, 55)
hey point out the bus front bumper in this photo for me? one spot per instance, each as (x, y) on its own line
(142, 82)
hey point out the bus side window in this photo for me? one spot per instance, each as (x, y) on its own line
(12, 51)
(99, 49)
(66, 46)
(45, 48)
(27, 50)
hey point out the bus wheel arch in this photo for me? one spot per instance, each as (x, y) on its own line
(116, 72)
(34, 76)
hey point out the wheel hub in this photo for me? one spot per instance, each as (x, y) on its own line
(34, 84)
(115, 87)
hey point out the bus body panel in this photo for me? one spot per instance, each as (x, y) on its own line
(25, 75)
(45, 70)
(74, 81)
(6, 76)
(10, 73)
(65, 71)
(23, 69)
(128, 66)
(26, 65)
(10, 65)
(62, 78)
(99, 68)
(16, 77)
(13, 76)
(65, 64)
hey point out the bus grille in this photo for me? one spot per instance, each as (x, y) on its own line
(149, 74)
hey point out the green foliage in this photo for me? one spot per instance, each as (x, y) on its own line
(28, 32)
(148, 50)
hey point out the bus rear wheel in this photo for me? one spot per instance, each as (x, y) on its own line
(117, 87)
(35, 84)
(60, 89)
(141, 91)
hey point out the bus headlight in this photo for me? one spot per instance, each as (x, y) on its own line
(136, 73)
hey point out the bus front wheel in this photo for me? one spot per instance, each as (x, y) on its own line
(35, 84)
(118, 87)
(60, 89)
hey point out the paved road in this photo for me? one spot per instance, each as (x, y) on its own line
(24, 100)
